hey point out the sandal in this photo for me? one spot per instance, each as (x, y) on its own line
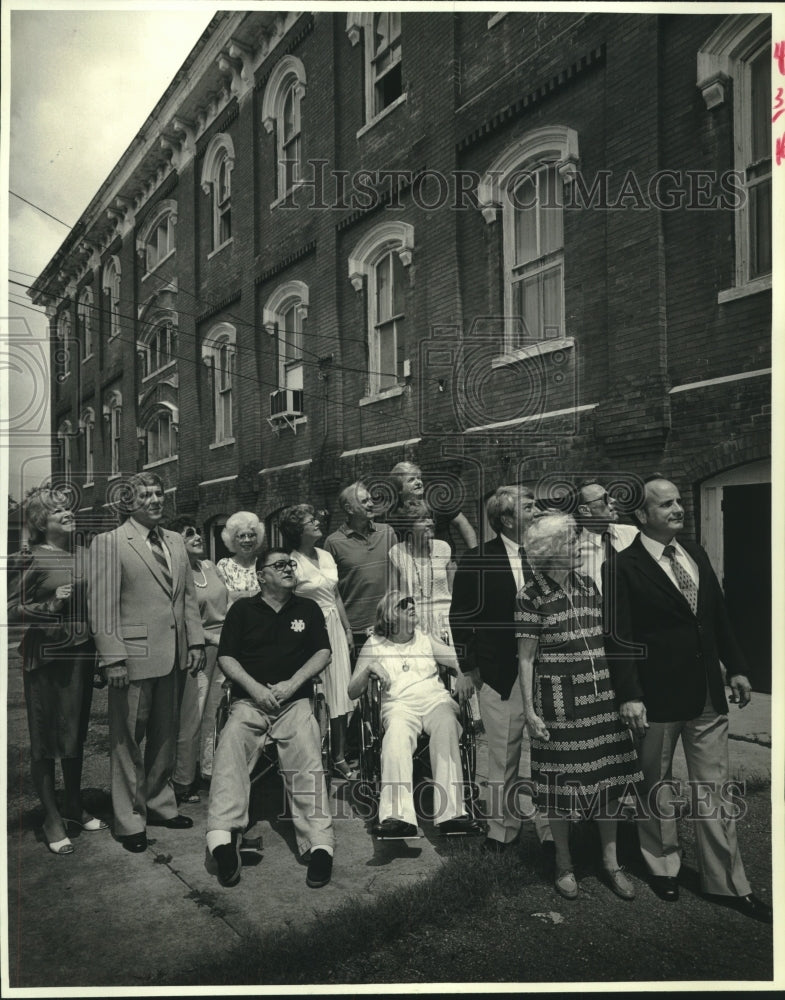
(342, 770)
(188, 797)
(91, 824)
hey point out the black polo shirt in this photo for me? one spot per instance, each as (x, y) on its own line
(271, 645)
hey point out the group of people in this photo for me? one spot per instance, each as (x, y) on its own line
(600, 644)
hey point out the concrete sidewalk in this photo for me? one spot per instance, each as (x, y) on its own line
(104, 917)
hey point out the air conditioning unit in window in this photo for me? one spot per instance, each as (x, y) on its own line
(286, 405)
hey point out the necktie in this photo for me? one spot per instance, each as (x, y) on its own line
(158, 552)
(683, 578)
(525, 564)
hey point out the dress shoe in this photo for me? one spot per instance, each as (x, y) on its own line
(135, 842)
(621, 885)
(175, 823)
(666, 887)
(749, 905)
(395, 828)
(320, 868)
(567, 885)
(227, 858)
(461, 825)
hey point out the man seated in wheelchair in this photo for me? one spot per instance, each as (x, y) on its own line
(272, 645)
(414, 700)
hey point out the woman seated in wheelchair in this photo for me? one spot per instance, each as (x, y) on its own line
(414, 700)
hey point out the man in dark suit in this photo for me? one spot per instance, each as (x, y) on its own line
(482, 619)
(668, 633)
(144, 617)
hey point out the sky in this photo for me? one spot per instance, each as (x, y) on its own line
(82, 82)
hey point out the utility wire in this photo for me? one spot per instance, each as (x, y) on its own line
(38, 208)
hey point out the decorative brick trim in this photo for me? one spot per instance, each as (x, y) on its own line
(216, 307)
(306, 27)
(285, 262)
(591, 60)
(380, 202)
(221, 124)
(152, 203)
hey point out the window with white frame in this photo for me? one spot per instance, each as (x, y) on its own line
(157, 346)
(281, 115)
(113, 413)
(381, 34)
(161, 435)
(217, 183)
(84, 323)
(285, 314)
(739, 52)
(156, 239)
(219, 352)
(111, 286)
(379, 263)
(64, 435)
(87, 427)
(526, 184)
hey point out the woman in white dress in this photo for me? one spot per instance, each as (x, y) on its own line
(317, 578)
(423, 569)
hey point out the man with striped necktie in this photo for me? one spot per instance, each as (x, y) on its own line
(669, 638)
(145, 620)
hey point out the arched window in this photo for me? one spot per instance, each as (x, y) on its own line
(281, 115)
(217, 182)
(218, 353)
(158, 341)
(87, 427)
(379, 261)
(84, 323)
(284, 316)
(64, 436)
(113, 413)
(62, 351)
(111, 287)
(740, 51)
(156, 239)
(381, 34)
(527, 183)
(160, 434)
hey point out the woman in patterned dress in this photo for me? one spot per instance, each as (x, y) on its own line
(317, 578)
(243, 535)
(582, 757)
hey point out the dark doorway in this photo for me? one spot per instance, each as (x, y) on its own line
(746, 536)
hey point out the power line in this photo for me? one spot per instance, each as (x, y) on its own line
(38, 208)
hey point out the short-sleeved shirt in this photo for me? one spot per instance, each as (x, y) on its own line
(363, 570)
(272, 645)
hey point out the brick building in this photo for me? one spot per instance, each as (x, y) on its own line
(509, 247)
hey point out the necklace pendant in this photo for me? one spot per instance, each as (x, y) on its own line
(405, 666)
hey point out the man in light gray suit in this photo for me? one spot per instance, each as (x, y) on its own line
(145, 621)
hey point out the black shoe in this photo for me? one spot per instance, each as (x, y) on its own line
(175, 823)
(320, 868)
(227, 857)
(749, 905)
(665, 886)
(135, 842)
(395, 828)
(461, 825)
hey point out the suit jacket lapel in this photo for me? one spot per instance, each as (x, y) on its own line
(141, 548)
(660, 579)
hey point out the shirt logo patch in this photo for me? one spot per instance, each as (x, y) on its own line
(298, 625)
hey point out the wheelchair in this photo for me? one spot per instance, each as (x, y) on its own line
(267, 756)
(371, 733)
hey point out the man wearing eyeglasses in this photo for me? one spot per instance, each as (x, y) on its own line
(272, 645)
(601, 534)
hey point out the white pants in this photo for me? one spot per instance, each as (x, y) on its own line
(401, 729)
(505, 731)
(705, 742)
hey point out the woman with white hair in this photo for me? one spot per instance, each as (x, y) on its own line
(243, 535)
(582, 757)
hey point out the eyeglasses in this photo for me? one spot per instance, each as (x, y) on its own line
(190, 532)
(281, 565)
(311, 520)
(602, 499)
(407, 602)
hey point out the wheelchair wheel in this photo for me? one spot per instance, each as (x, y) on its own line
(322, 713)
(221, 715)
(369, 786)
(467, 746)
